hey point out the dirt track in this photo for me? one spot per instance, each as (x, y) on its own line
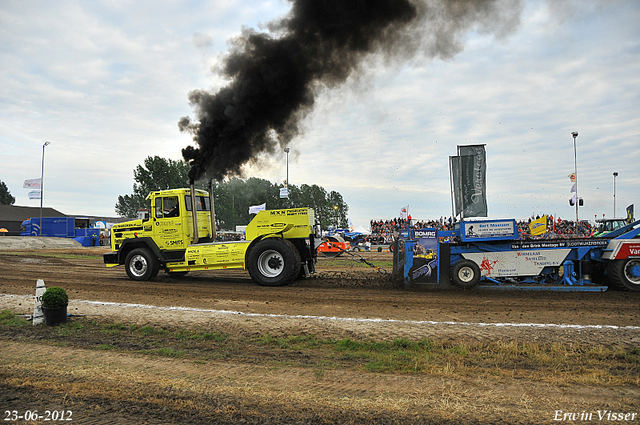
(345, 300)
(343, 289)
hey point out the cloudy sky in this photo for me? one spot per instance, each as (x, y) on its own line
(105, 82)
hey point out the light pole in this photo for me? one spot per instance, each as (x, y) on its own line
(287, 184)
(575, 170)
(42, 184)
(615, 174)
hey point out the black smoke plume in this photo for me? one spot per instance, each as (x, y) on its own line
(275, 75)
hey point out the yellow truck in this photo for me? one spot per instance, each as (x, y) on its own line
(279, 247)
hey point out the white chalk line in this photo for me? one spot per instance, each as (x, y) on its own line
(341, 319)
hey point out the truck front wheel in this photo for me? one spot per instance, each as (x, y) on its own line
(274, 262)
(141, 265)
(465, 274)
(626, 273)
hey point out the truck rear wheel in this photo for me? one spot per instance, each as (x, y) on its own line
(626, 273)
(465, 274)
(274, 262)
(141, 264)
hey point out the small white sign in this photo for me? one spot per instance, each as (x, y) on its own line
(38, 315)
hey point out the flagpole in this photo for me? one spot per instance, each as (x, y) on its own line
(575, 166)
(42, 185)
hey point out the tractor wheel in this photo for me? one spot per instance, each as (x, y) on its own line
(274, 262)
(465, 274)
(141, 265)
(626, 273)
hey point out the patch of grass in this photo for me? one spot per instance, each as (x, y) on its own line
(10, 320)
(290, 343)
(112, 328)
(562, 364)
(152, 331)
(189, 335)
(105, 347)
(63, 330)
(170, 352)
(215, 336)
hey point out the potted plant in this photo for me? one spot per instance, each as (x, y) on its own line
(54, 305)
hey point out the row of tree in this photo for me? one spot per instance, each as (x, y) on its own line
(232, 198)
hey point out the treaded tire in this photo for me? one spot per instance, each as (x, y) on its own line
(626, 273)
(274, 262)
(465, 274)
(141, 264)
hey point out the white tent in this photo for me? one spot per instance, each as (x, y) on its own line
(362, 230)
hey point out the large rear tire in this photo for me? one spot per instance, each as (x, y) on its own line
(626, 273)
(274, 262)
(465, 274)
(141, 264)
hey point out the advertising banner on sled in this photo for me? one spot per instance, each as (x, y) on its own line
(488, 230)
(473, 180)
(425, 256)
(517, 263)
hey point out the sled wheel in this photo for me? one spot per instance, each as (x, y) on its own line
(274, 262)
(626, 273)
(141, 265)
(465, 274)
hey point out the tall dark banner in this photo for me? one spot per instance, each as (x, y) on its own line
(456, 165)
(472, 180)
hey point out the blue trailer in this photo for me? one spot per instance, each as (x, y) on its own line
(490, 254)
(62, 227)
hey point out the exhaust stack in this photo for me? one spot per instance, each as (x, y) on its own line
(194, 211)
(213, 212)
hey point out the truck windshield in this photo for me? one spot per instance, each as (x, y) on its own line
(167, 207)
(202, 203)
(610, 225)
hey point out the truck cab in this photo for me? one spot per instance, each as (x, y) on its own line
(608, 225)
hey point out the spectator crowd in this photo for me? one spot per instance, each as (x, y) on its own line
(396, 224)
(557, 228)
(382, 230)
